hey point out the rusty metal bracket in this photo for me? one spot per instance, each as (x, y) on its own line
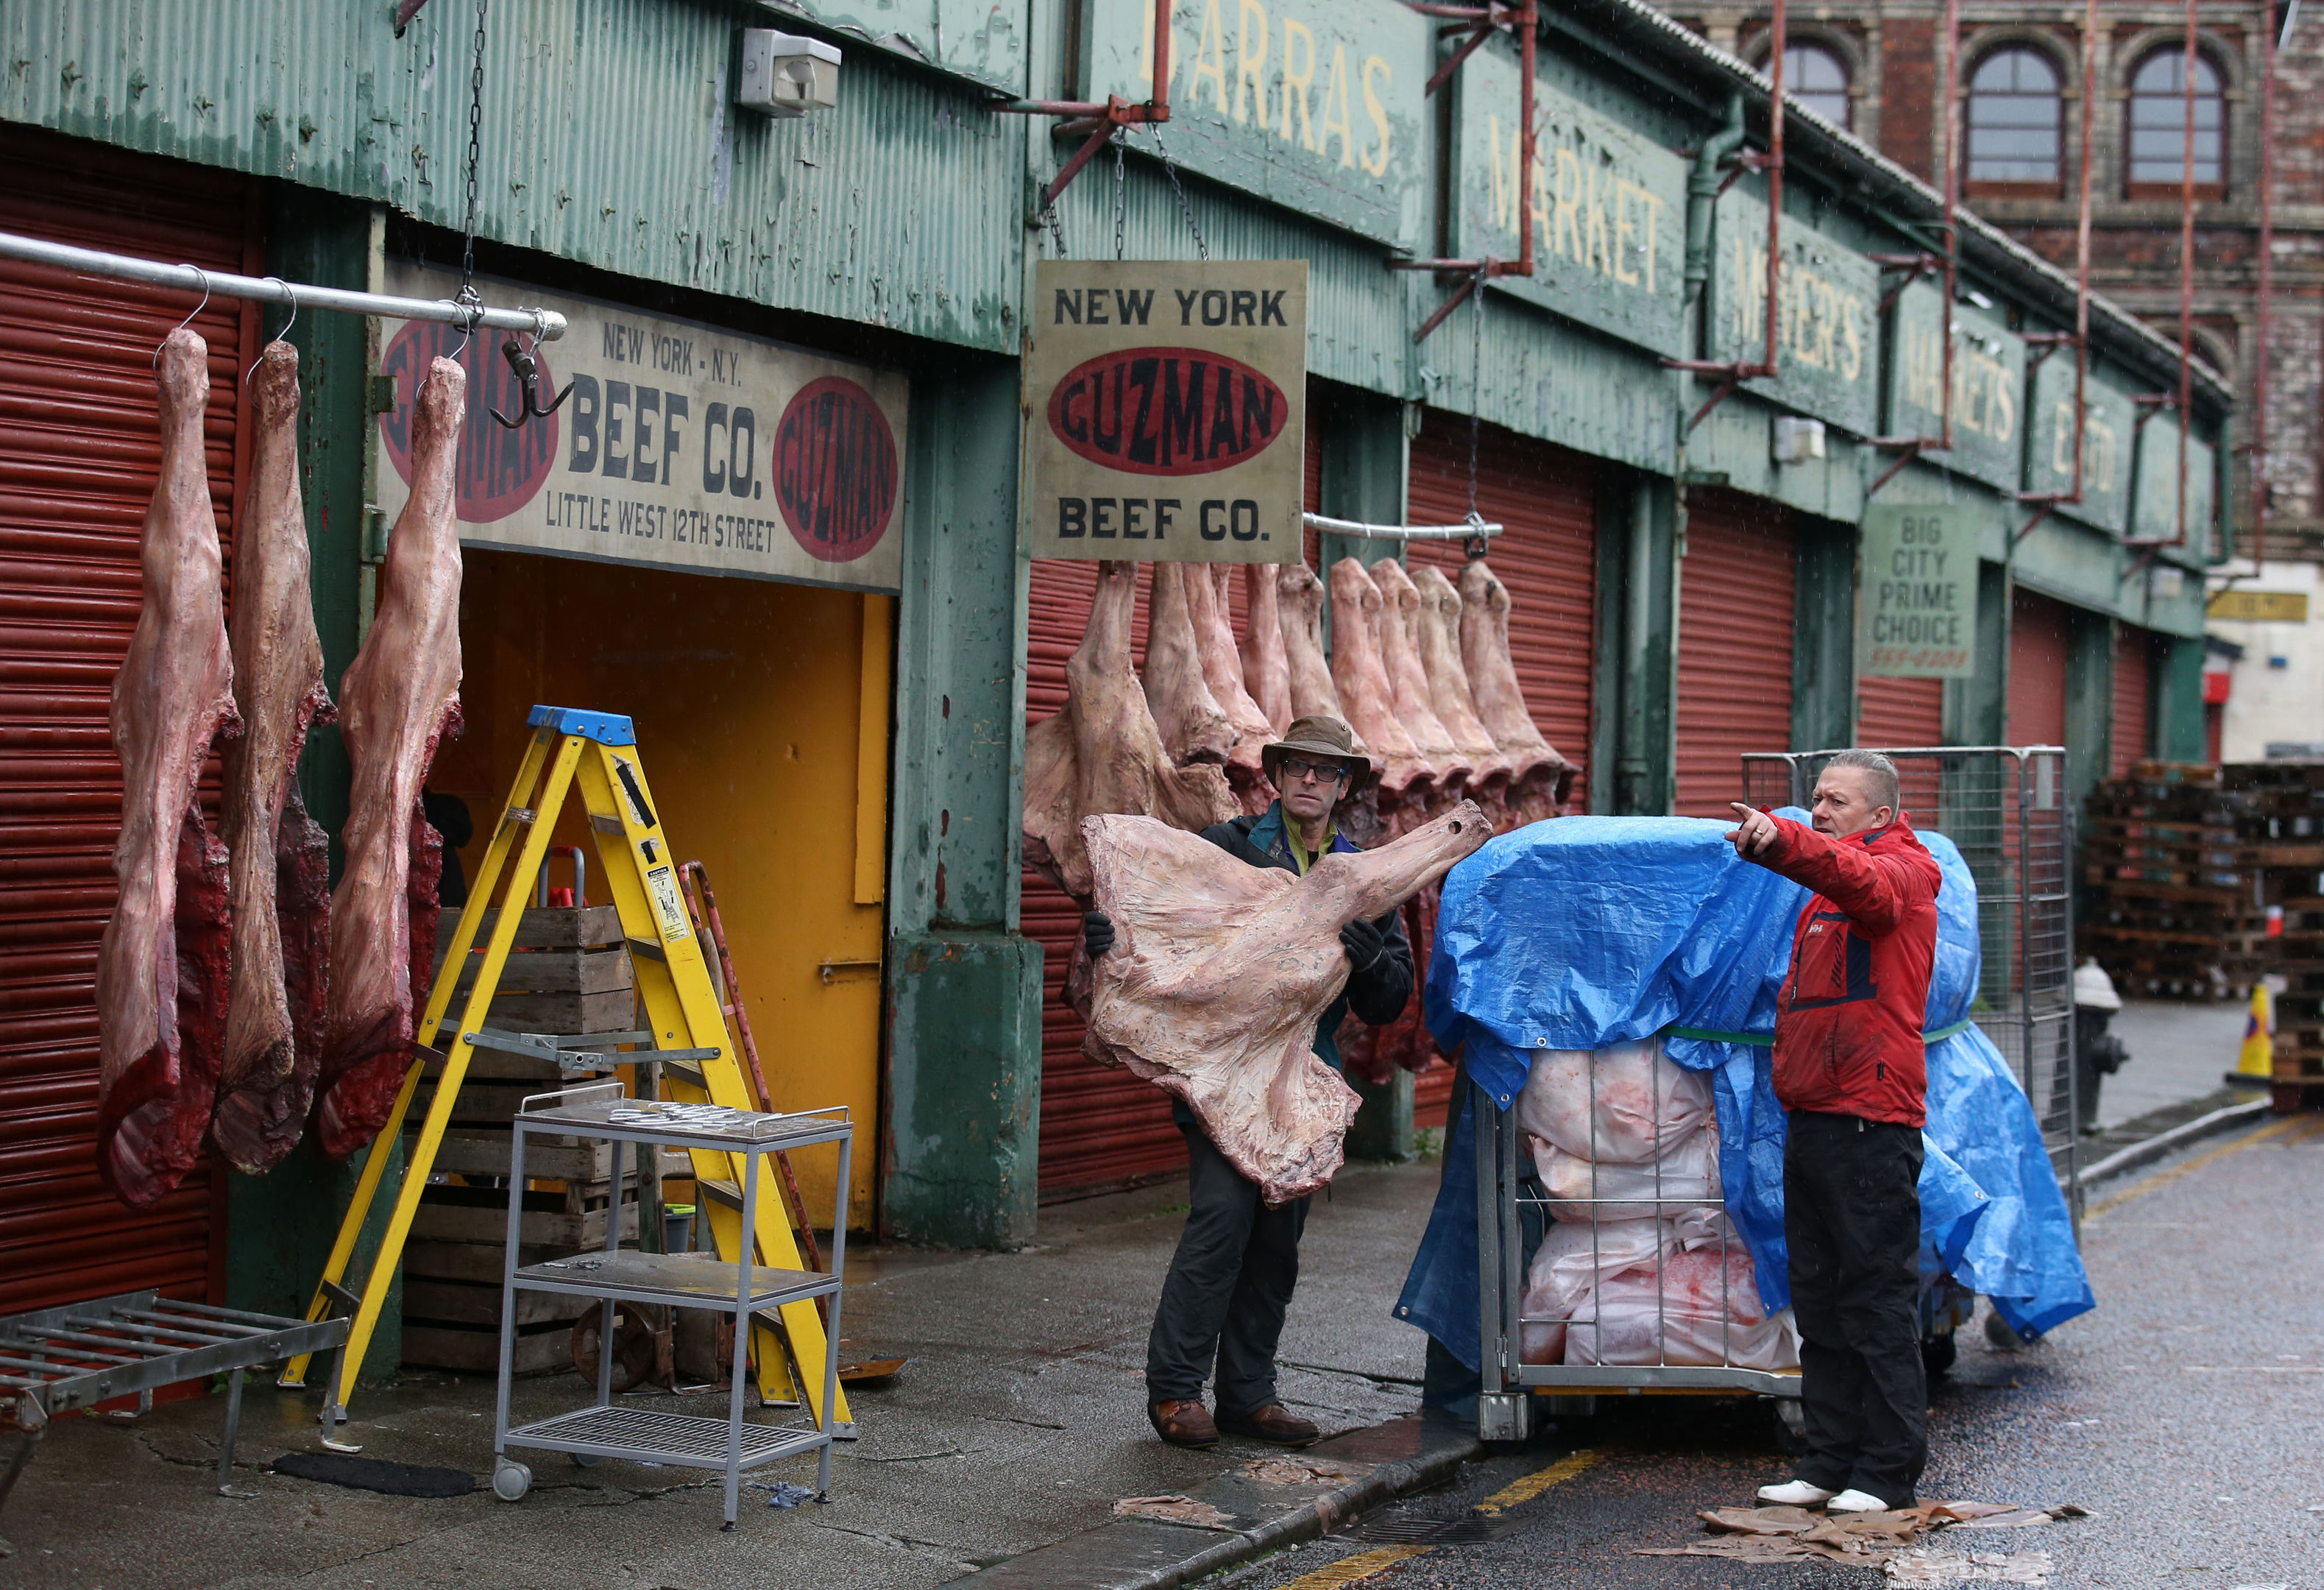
(1905, 448)
(1101, 119)
(2046, 504)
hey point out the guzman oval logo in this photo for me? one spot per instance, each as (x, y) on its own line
(500, 470)
(835, 470)
(1167, 410)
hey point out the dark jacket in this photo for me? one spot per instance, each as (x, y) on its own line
(1376, 995)
(1848, 1025)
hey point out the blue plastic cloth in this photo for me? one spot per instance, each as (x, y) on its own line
(1589, 932)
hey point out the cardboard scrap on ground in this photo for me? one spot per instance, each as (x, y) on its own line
(1177, 1510)
(1301, 1471)
(1875, 1540)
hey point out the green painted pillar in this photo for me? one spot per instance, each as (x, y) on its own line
(279, 1226)
(2179, 727)
(1976, 709)
(2089, 700)
(1823, 636)
(1365, 468)
(961, 1116)
(1634, 751)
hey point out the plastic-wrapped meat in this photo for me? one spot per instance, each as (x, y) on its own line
(1399, 637)
(1358, 674)
(1538, 776)
(1206, 601)
(1266, 665)
(400, 697)
(1699, 1306)
(1580, 1189)
(281, 860)
(1219, 970)
(1194, 727)
(161, 968)
(1436, 628)
(1299, 604)
(1101, 751)
(1570, 1263)
(1644, 1104)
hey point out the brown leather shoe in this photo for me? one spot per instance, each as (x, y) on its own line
(1183, 1423)
(1274, 1422)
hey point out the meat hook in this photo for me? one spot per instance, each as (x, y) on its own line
(189, 320)
(293, 294)
(1473, 547)
(528, 379)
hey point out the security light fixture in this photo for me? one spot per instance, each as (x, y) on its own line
(786, 75)
(1797, 441)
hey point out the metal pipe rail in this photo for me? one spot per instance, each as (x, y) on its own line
(546, 325)
(1356, 531)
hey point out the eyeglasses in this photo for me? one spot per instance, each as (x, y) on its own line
(1295, 769)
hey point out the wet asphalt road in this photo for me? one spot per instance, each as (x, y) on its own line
(2187, 1414)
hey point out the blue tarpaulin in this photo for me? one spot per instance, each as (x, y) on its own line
(1588, 931)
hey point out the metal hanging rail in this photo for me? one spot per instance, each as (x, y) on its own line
(1356, 531)
(1101, 119)
(546, 325)
(2181, 401)
(1908, 447)
(2259, 454)
(2047, 502)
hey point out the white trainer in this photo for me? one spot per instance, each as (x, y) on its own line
(1855, 1501)
(1793, 1493)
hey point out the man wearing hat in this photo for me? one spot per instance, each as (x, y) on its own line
(1238, 1261)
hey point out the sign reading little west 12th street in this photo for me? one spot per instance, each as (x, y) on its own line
(1316, 104)
(682, 446)
(1916, 606)
(1608, 206)
(1166, 400)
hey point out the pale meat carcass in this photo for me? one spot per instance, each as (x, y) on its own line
(1266, 665)
(1539, 776)
(161, 967)
(1436, 629)
(1219, 971)
(279, 867)
(1206, 600)
(400, 697)
(1194, 726)
(1101, 751)
(1299, 599)
(1399, 633)
(1407, 780)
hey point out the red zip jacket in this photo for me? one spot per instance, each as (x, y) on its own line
(1848, 1025)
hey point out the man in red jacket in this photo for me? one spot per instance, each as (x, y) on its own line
(1852, 1071)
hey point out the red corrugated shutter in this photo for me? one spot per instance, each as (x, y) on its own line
(1546, 498)
(79, 454)
(2134, 700)
(1734, 646)
(1101, 1127)
(1900, 715)
(2037, 670)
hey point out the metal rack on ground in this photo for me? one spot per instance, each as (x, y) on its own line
(601, 1114)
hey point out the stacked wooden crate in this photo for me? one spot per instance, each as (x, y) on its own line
(2286, 806)
(569, 972)
(2175, 902)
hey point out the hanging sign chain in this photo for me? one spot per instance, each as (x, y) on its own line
(469, 297)
(1202, 249)
(1120, 201)
(1475, 545)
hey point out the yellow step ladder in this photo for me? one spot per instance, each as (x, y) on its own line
(598, 751)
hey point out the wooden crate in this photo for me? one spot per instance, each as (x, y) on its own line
(475, 1349)
(568, 972)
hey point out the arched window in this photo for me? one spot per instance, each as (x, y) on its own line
(1815, 75)
(2015, 121)
(2158, 123)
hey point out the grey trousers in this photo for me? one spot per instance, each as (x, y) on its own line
(1229, 1285)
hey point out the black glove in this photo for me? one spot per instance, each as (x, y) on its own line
(1097, 933)
(1363, 941)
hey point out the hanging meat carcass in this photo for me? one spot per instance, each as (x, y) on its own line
(1539, 776)
(281, 860)
(1266, 665)
(1101, 752)
(163, 965)
(1407, 782)
(1436, 629)
(400, 697)
(1299, 597)
(1219, 970)
(1194, 726)
(1399, 634)
(1206, 600)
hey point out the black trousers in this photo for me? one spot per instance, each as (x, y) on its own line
(1229, 1285)
(1852, 1216)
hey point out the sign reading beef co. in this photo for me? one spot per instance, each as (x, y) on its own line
(1166, 405)
(679, 446)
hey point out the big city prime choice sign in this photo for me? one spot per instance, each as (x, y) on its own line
(1166, 405)
(679, 446)
(1916, 606)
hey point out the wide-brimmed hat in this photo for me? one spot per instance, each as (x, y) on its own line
(1319, 737)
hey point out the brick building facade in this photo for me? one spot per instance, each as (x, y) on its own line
(1877, 68)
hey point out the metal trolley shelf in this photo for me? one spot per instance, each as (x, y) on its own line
(612, 1275)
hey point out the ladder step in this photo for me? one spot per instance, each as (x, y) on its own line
(608, 824)
(521, 814)
(648, 950)
(688, 1072)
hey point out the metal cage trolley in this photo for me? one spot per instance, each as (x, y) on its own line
(607, 1429)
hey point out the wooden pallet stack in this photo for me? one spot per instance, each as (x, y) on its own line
(569, 972)
(2287, 806)
(2176, 888)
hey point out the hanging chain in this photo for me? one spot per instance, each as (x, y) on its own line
(1476, 400)
(469, 298)
(1202, 249)
(1121, 200)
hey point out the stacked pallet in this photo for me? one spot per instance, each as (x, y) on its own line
(2175, 872)
(2287, 803)
(569, 972)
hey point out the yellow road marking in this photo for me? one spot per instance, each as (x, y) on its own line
(1535, 1483)
(1348, 1570)
(2302, 1126)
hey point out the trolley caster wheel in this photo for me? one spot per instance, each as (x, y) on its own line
(511, 1481)
(1790, 1426)
(1938, 1354)
(585, 1459)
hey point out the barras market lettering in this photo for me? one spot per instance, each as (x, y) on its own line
(1593, 215)
(1274, 86)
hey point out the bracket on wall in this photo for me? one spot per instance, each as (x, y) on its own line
(1101, 119)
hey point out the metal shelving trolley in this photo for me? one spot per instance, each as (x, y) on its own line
(608, 1429)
